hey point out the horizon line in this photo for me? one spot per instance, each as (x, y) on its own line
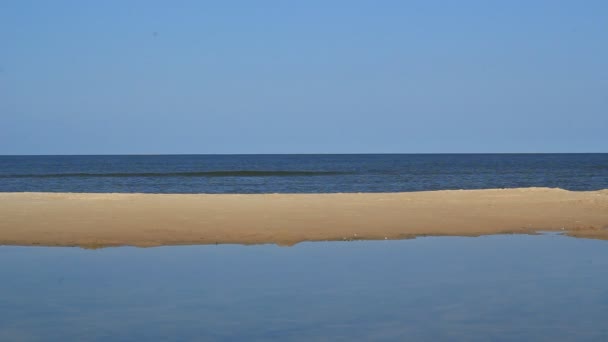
(278, 154)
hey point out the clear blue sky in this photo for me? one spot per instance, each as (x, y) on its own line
(114, 77)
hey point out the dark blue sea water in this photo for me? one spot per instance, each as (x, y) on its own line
(301, 173)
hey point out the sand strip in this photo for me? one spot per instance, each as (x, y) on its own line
(98, 220)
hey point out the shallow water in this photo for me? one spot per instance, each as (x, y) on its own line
(498, 288)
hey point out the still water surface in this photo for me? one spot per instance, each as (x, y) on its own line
(499, 288)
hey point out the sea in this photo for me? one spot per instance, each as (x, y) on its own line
(307, 173)
(545, 287)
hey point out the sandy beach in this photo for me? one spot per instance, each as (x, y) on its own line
(101, 220)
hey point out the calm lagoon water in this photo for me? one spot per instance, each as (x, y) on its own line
(494, 288)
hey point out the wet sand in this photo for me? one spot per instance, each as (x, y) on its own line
(102, 220)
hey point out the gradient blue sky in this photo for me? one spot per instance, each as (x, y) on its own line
(114, 77)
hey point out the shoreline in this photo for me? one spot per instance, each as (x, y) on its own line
(95, 220)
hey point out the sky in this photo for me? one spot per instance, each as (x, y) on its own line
(160, 77)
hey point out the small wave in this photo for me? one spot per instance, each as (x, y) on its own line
(244, 173)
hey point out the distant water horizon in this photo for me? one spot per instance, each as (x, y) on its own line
(285, 154)
(300, 173)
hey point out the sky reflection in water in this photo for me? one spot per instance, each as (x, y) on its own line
(500, 288)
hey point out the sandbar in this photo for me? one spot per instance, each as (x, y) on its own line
(93, 220)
